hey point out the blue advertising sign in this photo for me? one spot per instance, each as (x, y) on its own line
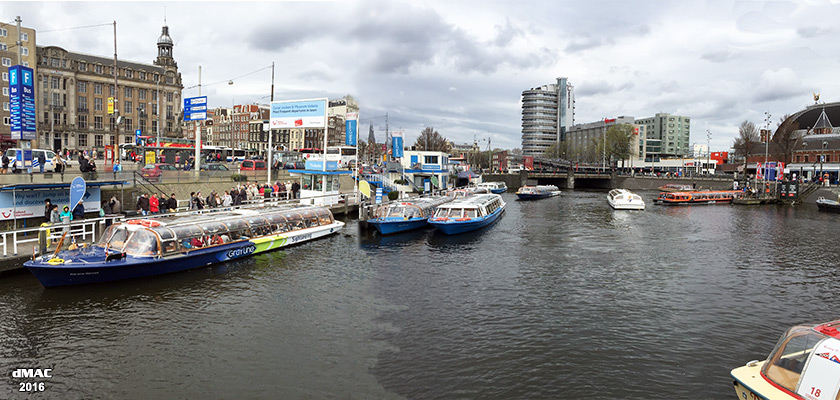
(195, 108)
(77, 191)
(378, 195)
(22, 102)
(350, 129)
(30, 203)
(137, 136)
(298, 114)
(397, 146)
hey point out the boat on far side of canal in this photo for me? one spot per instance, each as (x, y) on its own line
(676, 187)
(537, 192)
(621, 199)
(698, 197)
(494, 187)
(404, 216)
(805, 364)
(828, 205)
(468, 214)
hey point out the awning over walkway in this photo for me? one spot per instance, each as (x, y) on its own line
(32, 186)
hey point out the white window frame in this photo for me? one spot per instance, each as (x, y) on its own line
(7, 62)
(24, 51)
(24, 36)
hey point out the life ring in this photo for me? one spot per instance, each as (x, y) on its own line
(149, 223)
(135, 222)
(441, 219)
(464, 219)
(55, 261)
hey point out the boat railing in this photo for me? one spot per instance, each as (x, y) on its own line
(40, 237)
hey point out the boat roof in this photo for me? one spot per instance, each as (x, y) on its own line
(471, 201)
(193, 219)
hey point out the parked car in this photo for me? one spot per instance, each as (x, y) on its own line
(154, 172)
(252, 165)
(295, 165)
(214, 167)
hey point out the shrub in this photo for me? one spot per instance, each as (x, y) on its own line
(393, 195)
(401, 182)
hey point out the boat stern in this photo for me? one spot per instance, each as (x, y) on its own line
(749, 384)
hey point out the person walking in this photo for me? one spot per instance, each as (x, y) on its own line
(198, 203)
(227, 200)
(211, 200)
(5, 164)
(42, 160)
(193, 203)
(55, 217)
(48, 206)
(295, 189)
(117, 167)
(116, 207)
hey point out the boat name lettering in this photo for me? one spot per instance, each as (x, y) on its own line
(301, 237)
(242, 251)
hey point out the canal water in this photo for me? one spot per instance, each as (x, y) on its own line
(562, 298)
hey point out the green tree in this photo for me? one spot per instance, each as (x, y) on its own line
(558, 150)
(746, 141)
(619, 142)
(431, 140)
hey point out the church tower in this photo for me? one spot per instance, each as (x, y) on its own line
(165, 44)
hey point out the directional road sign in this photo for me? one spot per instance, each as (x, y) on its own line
(195, 108)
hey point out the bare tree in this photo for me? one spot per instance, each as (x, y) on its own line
(746, 141)
(786, 139)
(431, 140)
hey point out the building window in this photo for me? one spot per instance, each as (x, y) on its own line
(7, 62)
(82, 103)
(169, 96)
(97, 123)
(4, 47)
(97, 69)
(97, 140)
(83, 67)
(5, 91)
(128, 139)
(111, 90)
(141, 94)
(142, 125)
(128, 107)
(55, 82)
(56, 62)
(97, 88)
(129, 92)
(112, 124)
(5, 76)
(111, 139)
(3, 32)
(81, 87)
(154, 126)
(128, 124)
(129, 73)
(24, 51)
(82, 122)
(154, 95)
(6, 121)
(5, 106)
(97, 104)
(24, 36)
(83, 140)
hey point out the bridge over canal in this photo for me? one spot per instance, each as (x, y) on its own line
(597, 179)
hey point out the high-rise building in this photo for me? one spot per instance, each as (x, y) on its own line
(548, 113)
(8, 57)
(73, 91)
(666, 135)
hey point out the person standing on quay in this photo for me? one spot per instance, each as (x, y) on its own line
(42, 160)
(153, 204)
(143, 204)
(79, 210)
(48, 206)
(172, 203)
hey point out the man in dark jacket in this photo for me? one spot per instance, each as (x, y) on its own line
(42, 160)
(143, 204)
(295, 189)
(48, 206)
(234, 194)
(211, 200)
(172, 203)
(79, 211)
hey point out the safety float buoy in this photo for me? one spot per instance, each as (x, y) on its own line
(135, 222)
(149, 223)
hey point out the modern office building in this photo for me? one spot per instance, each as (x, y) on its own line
(9, 53)
(548, 113)
(581, 138)
(73, 91)
(666, 135)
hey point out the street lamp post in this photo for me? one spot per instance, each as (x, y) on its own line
(708, 150)
(822, 157)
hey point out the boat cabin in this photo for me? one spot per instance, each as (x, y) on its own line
(806, 358)
(472, 207)
(155, 238)
(420, 208)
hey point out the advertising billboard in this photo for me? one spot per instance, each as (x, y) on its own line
(350, 129)
(298, 114)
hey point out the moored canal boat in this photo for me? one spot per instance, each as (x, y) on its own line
(621, 199)
(676, 187)
(406, 215)
(698, 197)
(805, 364)
(468, 214)
(537, 192)
(147, 247)
(494, 187)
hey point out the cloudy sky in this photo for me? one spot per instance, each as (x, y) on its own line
(461, 66)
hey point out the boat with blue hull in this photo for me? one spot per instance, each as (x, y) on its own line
(404, 216)
(149, 247)
(494, 187)
(468, 214)
(537, 192)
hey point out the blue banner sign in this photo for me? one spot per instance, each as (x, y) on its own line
(77, 191)
(318, 165)
(378, 195)
(137, 137)
(298, 114)
(397, 146)
(22, 102)
(195, 108)
(350, 130)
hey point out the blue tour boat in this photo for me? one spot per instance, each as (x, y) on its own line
(406, 215)
(537, 192)
(493, 187)
(148, 247)
(468, 214)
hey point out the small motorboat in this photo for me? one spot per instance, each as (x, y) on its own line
(621, 199)
(828, 205)
(805, 364)
(537, 192)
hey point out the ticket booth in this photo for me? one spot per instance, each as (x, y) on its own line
(319, 185)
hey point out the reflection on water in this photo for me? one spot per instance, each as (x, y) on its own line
(561, 298)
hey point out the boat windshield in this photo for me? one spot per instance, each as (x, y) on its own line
(114, 237)
(142, 243)
(784, 366)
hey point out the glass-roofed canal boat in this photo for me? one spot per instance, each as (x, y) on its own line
(147, 247)
(468, 214)
(406, 215)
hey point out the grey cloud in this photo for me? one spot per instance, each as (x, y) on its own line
(717, 56)
(586, 44)
(600, 87)
(812, 31)
(506, 33)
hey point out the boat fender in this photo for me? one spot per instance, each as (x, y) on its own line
(55, 261)
(441, 219)
(463, 219)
